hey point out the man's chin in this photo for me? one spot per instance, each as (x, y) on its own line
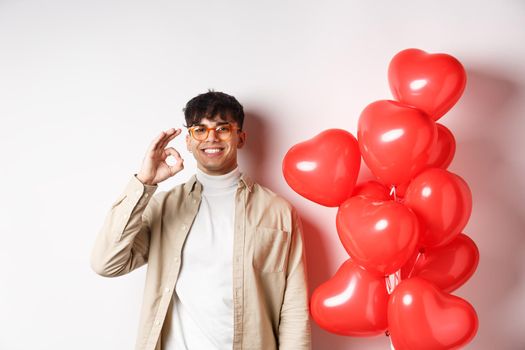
(216, 169)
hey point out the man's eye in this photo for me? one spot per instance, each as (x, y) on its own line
(224, 128)
(199, 130)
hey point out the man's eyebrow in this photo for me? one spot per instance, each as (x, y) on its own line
(217, 124)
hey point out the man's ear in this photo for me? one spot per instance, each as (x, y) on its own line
(242, 139)
(188, 143)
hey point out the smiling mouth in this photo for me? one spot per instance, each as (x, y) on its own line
(213, 150)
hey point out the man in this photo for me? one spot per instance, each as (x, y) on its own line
(225, 256)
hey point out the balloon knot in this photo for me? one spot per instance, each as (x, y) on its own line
(393, 192)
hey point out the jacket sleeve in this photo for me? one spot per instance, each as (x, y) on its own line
(294, 325)
(122, 243)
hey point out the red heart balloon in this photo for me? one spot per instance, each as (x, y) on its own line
(441, 154)
(324, 169)
(442, 202)
(448, 267)
(395, 140)
(378, 235)
(444, 150)
(420, 316)
(353, 302)
(372, 189)
(432, 83)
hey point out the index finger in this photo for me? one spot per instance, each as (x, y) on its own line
(170, 137)
(157, 142)
(154, 143)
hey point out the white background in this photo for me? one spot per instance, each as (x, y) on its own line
(86, 85)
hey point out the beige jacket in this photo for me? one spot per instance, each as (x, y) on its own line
(269, 273)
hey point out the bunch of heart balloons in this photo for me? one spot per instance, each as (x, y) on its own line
(403, 231)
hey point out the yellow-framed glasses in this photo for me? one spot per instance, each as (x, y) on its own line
(222, 131)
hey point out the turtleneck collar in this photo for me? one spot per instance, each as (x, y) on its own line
(218, 182)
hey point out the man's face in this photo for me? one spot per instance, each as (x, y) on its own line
(213, 155)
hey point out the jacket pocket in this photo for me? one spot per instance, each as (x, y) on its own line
(271, 249)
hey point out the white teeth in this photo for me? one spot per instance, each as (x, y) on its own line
(212, 150)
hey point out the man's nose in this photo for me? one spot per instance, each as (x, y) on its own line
(212, 136)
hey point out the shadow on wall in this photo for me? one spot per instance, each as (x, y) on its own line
(253, 155)
(486, 156)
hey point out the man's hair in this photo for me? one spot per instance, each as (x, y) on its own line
(213, 104)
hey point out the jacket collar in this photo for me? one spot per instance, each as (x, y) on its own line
(194, 185)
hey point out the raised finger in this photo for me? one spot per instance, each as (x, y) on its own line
(161, 144)
(155, 143)
(158, 143)
(170, 137)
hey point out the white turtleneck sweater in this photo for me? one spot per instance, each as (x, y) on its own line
(202, 316)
